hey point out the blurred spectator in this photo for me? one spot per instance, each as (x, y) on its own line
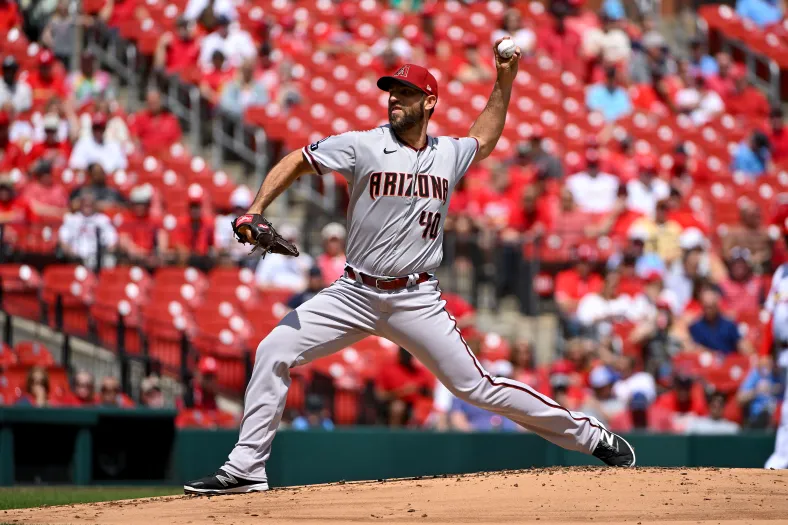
(332, 261)
(14, 208)
(15, 93)
(619, 159)
(607, 44)
(51, 150)
(685, 397)
(315, 284)
(36, 388)
(644, 192)
(603, 404)
(777, 135)
(700, 62)
(467, 417)
(666, 233)
(692, 265)
(762, 12)
(116, 128)
(235, 44)
(177, 50)
(575, 283)
(470, 67)
(59, 34)
(524, 367)
(280, 271)
(85, 84)
(45, 84)
(653, 60)
(82, 232)
(47, 198)
(11, 155)
(215, 77)
(640, 246)
(657, 341)
(594, 309)
(760, 393)
(109, 393)
(569, 219)
(723, 81)
(224, 238)
(593, 190)
(715, 423)
(742, 289)
(244, 91)
(151, 395)
(609, 98)
(400, 385)
(103, 196)
(714, 331)
(209, 12)
(753, 156)
(192, 238)
(9, 16)
(464, 314)
(316, 417)
(699, 101)
(746, 100)
(750, 234)
(394, 42)
(512, 25)
(533, 154)
(94, 148)
(140, 234)
(341, 38)
(205, 385)
(560, 44)
(155, 127)
(84, 388)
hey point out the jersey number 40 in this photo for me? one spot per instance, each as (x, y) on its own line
(431, 222)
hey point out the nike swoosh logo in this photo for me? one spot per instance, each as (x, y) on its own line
(387, 151)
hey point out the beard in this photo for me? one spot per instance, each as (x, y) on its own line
(409, 118)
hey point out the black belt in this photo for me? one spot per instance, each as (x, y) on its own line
(386, 284)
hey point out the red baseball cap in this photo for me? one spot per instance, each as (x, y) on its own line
(45, 58)
(208, 365)
(414, 76)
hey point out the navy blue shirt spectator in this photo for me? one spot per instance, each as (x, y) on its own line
(714, 331)
(314, 285)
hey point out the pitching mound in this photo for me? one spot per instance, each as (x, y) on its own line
(555, 495)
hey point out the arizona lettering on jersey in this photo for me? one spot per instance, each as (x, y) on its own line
(398, 195)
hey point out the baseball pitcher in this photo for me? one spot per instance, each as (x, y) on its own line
(400, 181)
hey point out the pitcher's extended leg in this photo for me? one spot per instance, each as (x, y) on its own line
(337, 317)
(421, 325)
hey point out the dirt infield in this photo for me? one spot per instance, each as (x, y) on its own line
(556, 495)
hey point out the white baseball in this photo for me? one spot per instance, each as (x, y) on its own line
(506, 48)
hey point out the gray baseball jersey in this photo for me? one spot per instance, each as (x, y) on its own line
(399, 196)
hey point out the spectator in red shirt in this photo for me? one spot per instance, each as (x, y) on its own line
(110, 394)
(339, 40)
(619, 160)
(570, 221)
(400, 386)
(464, 314)
(204, 386)
(332, 261)
(45, 84)
(745, 99)
(11, 155)
(742, 290)
(9, 16)
(154, 127)
(140, 234)
(778, 135)
(215, 77)
(723, 81)
(14, 209)
(471, 67)
(686, 397)
(48, 199)
(192, 238)
(84, 389)
(560, 44)
(177, 51)
(51, 150)
(575, 283)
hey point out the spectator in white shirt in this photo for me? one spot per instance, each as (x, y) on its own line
(512, 26)
(83, 231)
(281, 271)
(220, 8)
(594, 309)
(644, 192)
(234, 43)
(94, 149)
(394, 41)
(224, 238)
(13, 91)
(700, 102)
(593, 190)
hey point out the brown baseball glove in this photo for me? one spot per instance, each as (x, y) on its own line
(262, 234)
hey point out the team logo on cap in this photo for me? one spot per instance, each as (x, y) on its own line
(402, 72)
(429, 88)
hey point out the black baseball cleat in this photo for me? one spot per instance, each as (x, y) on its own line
(223, 483)
(614, 450)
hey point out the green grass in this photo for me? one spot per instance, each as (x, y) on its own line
(25, 497)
